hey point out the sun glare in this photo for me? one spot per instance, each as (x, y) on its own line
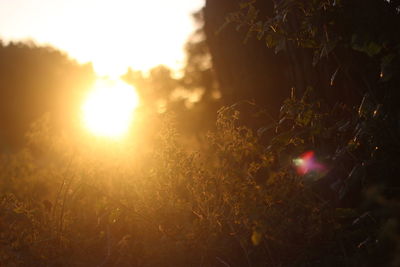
(109, 107)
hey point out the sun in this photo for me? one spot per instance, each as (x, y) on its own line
(109, 108)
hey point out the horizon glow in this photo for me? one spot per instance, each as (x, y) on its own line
(113, 35)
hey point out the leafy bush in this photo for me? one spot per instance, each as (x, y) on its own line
(240, 202)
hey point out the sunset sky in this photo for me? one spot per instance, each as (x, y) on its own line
(112, 34)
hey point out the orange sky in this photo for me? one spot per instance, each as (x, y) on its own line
(112, 34)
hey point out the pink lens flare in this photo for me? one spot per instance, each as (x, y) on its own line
(307, 163)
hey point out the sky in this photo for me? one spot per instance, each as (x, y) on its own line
(113, 34)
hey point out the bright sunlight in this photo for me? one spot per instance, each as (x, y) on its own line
(109, 107)
(122, 33)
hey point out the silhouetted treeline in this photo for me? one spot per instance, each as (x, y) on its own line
(193, 97)
(35, 80)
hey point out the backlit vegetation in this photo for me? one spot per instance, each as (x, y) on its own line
(316, 186)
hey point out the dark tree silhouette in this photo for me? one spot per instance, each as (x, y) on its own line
(338, 50)
(176, 94)
(244, 71)
(35, 80)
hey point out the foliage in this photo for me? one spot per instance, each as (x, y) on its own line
(241, 203)
(317, 25)
(330, 45)
(71, 200)
(358, 41)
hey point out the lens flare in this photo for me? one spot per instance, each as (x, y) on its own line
(307, 163)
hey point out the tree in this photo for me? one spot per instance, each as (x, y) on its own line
(339, 48)
(35, 80)
(193, 97)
